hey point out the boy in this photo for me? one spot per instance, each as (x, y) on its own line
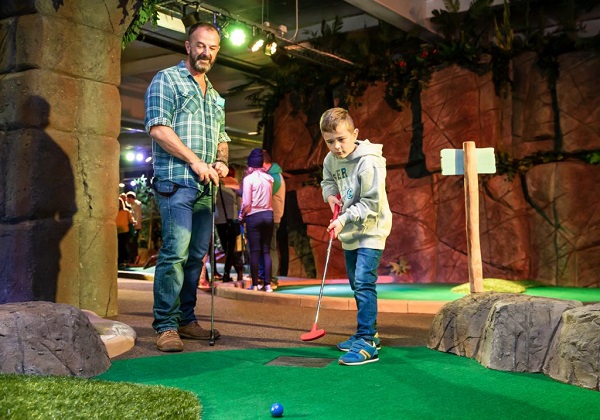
(356, 170)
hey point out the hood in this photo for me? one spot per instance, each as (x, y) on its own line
(365, 148)
(275, 169)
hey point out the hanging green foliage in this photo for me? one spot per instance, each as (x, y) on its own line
(145, 10)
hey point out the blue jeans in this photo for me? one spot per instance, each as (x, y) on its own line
(259, 231)
(186, 230)
(361, 267)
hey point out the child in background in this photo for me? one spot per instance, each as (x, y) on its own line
(356, 170)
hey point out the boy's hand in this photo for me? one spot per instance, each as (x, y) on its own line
(333, 201)
(335, 226)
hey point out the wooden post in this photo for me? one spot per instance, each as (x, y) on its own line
(472, 217)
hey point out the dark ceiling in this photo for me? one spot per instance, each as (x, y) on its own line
(158, 48)
(291, 21)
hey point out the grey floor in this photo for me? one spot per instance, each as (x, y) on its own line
(245, 325)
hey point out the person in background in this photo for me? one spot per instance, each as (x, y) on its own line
(136, 209)
(356, 170)
(185, 117)
(278, 203)
(257, 213)
(227, 221)
(124, 221)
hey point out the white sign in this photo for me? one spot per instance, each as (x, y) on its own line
(453, 161)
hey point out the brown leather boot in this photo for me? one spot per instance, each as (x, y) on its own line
(169, 341)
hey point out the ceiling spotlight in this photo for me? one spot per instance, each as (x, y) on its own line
(190, 19)
(271, 48)
(237, 36)
(257, 41)
(130, 156)
(271, 45)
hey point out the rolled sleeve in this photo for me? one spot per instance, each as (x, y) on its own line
(160, 102)
(223, 137)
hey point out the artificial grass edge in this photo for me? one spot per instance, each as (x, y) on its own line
(499, 285)
(42, 397)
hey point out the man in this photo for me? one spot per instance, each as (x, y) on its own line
(186, 119)
(136, 210)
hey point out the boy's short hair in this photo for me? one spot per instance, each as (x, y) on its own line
(334, 117)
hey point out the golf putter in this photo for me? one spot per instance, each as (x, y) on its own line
(315, 332)
(213, 266)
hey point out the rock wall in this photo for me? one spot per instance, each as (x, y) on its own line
(542, 225)
(59, 154)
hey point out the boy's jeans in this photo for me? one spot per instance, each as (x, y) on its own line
(361, 266)
(186, 231)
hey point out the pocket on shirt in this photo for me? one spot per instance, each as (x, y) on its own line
(190, 103)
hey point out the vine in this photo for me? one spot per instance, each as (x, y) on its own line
(146, 10)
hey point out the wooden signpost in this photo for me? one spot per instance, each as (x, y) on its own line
(471, 161)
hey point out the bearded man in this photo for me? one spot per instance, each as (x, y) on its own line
(185, 117)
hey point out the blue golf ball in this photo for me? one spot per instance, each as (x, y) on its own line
(277, 410)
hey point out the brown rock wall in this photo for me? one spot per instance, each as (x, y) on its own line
(458, 106)
(565, 223)
(577, 89)
(541, 226)
(392, 129)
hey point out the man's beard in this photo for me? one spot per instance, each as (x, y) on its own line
(198, 66)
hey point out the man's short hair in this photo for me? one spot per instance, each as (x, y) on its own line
(205, 25)
(334, 117)
(131, 194)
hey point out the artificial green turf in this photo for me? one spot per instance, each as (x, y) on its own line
(492, 285)
(439, 291)
(413, 291)
(407, 383)
(52, 397)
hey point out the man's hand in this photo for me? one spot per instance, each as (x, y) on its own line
(205, 172)
(221, 169)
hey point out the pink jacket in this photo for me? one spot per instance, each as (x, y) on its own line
(257, 193)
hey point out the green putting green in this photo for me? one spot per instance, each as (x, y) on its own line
(436, 291)
(406, 383)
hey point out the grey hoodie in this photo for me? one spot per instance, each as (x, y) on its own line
(360, 180)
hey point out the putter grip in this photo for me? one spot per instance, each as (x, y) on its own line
(336, 212)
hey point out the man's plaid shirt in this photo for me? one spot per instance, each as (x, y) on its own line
(175, 100)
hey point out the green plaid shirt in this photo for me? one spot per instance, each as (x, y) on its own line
(175, 100)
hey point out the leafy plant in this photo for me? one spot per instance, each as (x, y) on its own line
(146, 10)
(399, 267)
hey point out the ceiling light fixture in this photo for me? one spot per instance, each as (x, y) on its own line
(257, 42)
(270, 46)
(237, 34)
(191, 19)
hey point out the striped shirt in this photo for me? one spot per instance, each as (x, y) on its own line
(174, 99)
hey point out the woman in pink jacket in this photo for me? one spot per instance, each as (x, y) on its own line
(257, 212)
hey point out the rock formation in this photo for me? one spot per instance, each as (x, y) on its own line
(44, 338)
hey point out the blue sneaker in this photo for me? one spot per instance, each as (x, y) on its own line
(360, 353)
(346, 345)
